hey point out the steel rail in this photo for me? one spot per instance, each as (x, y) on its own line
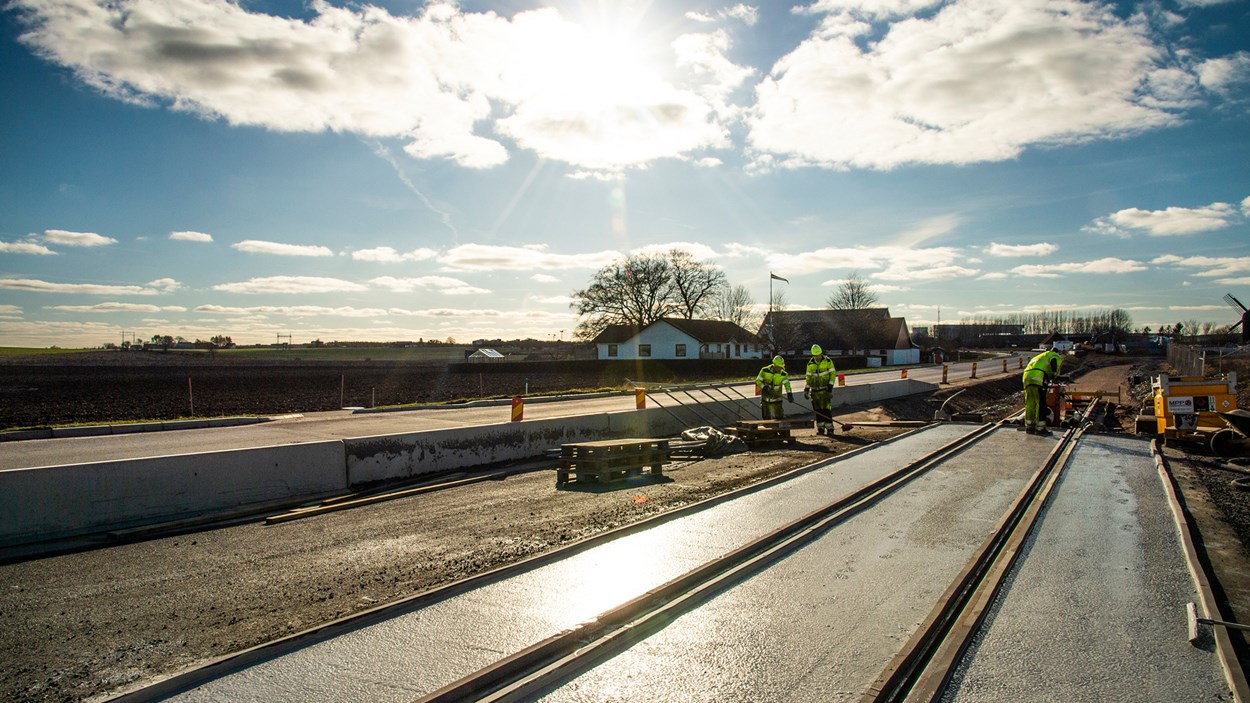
(551, 662)
(348, 502)
(713, 408)
(924, 666)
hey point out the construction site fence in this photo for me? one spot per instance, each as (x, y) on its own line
(1195, 360)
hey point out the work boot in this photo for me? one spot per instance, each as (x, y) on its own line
(1030, 430)
(1043, 432)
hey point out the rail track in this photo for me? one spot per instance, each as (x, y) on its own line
(919, 670)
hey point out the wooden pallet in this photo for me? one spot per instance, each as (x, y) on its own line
(612, 460)
(765, 431)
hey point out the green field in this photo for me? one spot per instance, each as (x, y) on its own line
(31, 351)
(428, 354)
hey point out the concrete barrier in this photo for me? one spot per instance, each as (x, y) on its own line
(63, 501)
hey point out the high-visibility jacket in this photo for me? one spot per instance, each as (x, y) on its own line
(772, 384)
(820, 373)
(1041, 368)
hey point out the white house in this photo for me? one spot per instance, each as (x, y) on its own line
(675, 338)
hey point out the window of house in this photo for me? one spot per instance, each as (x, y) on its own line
(611, 350)
(644, 350)
(681, 350)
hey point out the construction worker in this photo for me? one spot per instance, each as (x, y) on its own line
(819, 389)
(1041, 370)
(769, 384)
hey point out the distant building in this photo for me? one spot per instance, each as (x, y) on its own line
(871, 332)
(676, 338)
(482, 356)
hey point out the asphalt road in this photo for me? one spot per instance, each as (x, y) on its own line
(344, 424)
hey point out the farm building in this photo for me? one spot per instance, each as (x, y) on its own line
(676, 338)
(870, 332)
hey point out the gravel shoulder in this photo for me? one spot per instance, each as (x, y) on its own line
(80, 626)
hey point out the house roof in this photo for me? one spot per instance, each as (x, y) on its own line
(867, 328)
(699, 330)
(487, 352)
(711, 330)
(615, 334)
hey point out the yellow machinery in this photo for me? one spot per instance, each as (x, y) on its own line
(1188, 408)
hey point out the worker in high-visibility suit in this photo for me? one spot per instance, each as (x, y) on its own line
(1040, 370)
(770, 383)
(818, 388)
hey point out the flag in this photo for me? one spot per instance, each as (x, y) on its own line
(775, 277)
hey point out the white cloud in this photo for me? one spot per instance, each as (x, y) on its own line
(76, 239)
(291, 284)
(588, 97)
(1169, 222)
(1214, 266)
(1098, 266)
(166, 285)
(996, 276)
(26, 247)
(712, 74)
(292, 310)
(486, 257)
(390, 255)
(1062, 72)
(118, 307)
(1039, 249)
(439, 284)
(1223, 73)
(254, 246)
(189, 236)
(30, 285)
(544, 278)
(700, 252)
(10, 311)
(896, 263)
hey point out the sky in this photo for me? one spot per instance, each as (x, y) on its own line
(401, 170)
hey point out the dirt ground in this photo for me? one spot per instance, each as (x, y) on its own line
(79, 626)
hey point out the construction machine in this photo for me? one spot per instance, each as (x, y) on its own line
(1197, 410)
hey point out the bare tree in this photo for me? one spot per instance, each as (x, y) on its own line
(637, 290)
(854, 297)
(853, 294)
(695, 284)
(734, 304)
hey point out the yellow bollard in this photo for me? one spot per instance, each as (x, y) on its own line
(974, 370)
(1004, 366)
(640, 398)
(945, 370)
(518, 409)
(904, 375)
(1021, 360)
(841, 379)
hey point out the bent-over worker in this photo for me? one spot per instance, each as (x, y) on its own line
(771, 382)
(819, 389)
(1040, 370)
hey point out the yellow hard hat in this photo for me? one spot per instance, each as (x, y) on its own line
(778, 361)
(816, 350)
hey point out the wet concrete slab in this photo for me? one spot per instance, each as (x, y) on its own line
(821, 624)
(417, 653)
(1095, 610)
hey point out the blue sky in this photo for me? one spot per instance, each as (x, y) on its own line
(409, 170)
